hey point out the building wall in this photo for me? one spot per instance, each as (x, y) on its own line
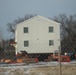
(38, 35)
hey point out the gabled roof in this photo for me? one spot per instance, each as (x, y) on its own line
(38, 17)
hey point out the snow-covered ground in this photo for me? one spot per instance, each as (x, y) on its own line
(36, 64)
(25, 69)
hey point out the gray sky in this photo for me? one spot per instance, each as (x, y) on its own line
(12, 9)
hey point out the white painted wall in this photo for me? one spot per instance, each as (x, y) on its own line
(38, 35)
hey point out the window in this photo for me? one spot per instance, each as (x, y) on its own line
(51, 42)
(25, 29)
(51, 29)
(26, 43)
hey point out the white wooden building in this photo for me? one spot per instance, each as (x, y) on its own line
(37, 35)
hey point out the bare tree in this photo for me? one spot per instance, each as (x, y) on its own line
(68, 25)
(68, 32)
(11, 26)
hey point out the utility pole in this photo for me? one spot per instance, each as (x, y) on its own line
(59, 57)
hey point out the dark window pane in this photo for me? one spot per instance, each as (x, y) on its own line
(50, 29)
(26, 43)
(25, 29)
(51, 42)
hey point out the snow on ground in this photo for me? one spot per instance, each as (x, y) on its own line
(24, 65)
(24, 69)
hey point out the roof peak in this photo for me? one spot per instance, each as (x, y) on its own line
(38, 18)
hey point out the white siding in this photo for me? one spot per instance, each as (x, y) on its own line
(38, 35)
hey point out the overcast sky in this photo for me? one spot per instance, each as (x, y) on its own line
(12, 9)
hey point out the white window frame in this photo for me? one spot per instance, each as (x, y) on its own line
(51, 42)
(25, 29)
(51, 29)
(26, 43)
